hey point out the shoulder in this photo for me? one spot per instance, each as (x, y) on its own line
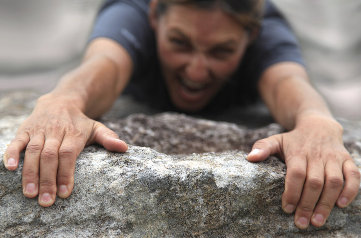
(270, 10)
(126, 22)
(140, 4)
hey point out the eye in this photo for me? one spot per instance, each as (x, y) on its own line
(179, 43)
(222, 52)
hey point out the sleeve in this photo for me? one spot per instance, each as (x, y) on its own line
(126, 22)
(276, 42)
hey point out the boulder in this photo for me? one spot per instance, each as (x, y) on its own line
(181, 177)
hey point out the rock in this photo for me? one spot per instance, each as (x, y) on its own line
(182, 177)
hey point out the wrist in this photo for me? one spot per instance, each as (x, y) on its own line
(324, 121)
(64, 100)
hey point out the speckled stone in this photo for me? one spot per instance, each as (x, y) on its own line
(181, 177)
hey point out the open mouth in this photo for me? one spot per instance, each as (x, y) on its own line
(191, 86)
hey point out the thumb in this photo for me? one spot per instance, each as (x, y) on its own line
(262, 149)
(107, 138)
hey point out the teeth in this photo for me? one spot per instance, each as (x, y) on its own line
(193, 85)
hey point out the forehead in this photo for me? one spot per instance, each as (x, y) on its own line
(210, 24)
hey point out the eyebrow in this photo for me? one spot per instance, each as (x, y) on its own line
(228, 43)
(179, 33)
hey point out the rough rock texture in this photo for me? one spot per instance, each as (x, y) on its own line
(168, 191)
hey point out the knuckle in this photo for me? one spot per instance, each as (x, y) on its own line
(315, 152)
(64, 178)
(335, 182)
(298, 173)
(290, 198)
(74, 132)
(261, 143)
(34, 148)
(10, 150)
(355, 173)
(49, 154)
(308, 208)
(47, 184)
(325, 205)
(67, 152)
(30, 175)
(20, 140)
(315, 183)
(54, 124)
(345, 155)
(111, 134)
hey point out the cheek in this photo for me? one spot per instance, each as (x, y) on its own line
(225, 69)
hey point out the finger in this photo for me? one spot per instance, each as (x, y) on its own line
(295, 178)
(68, 152)
(12, 153)
(262, 149)
(30, 178)
(48, 171)
(352, 183)
(310, 194)
(330, 193)
(108, 138)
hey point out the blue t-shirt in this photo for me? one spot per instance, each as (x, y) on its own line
(126, 22)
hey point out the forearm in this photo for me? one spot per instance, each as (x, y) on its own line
(97, 82)
(289, 96)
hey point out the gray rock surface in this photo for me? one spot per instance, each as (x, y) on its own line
(194, 181)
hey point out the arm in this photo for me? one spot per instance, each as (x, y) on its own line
(320, 171)
(103, 74)
(54, 138)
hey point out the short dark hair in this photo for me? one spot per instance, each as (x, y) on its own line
(248, 13)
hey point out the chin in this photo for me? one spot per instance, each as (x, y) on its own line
(190, 107)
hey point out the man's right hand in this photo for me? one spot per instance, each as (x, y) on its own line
(53, 137)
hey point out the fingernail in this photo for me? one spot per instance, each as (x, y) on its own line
(11, 162)
(30, 188)
(289, 208)
(63, 190)
(254, 152)
(343, 201)
(318, 219)
(302, 222)
(45, 198)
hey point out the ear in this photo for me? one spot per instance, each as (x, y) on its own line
(152, 14)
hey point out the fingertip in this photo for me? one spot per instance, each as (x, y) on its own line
(46, 200)
(11, 156)
(121, 146)
(289, 208)
(342, 202)
(302, 222)
(64, 191)
(115, 145)
(352, 184)
(124, 146)
(256, 155)
(30, 190)
(11, 163)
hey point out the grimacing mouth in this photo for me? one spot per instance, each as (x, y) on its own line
(191, 85)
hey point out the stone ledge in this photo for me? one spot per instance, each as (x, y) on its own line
(145, 193)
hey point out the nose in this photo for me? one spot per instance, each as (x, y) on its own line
(197, 69)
